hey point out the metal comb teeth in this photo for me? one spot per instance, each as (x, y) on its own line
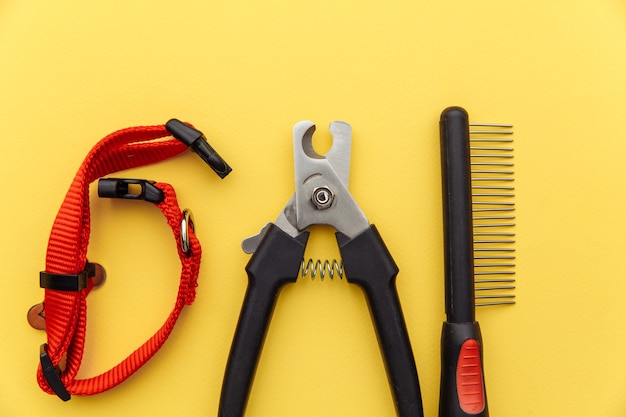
(493, 212)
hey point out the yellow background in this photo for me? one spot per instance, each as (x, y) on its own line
(244, 72)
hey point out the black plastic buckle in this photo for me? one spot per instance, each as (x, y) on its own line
(52, 374)
(122, 188)
(196, 140)
(67, 282)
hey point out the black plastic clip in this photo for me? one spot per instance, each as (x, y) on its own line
(52, 374)
(122, 188)
(67, 282)
(198, 143)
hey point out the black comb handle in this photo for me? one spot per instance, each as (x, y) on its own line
(462, 390)
(457, 215)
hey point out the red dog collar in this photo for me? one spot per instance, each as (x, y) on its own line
(68, 277)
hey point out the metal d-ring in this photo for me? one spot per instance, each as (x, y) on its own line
(186, 224)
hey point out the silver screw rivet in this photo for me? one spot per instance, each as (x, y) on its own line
(322, 197)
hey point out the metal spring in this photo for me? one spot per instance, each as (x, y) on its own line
(493, 213)
(321, 268)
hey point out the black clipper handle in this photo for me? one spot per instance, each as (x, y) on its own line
(275, 263)
(368, 263)
(462, 390)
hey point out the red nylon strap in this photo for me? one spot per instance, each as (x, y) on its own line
(67, 254)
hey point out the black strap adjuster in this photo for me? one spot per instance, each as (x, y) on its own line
(123, 188)
(67, 282)
(52, 374)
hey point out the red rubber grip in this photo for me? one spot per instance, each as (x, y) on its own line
(469, 378)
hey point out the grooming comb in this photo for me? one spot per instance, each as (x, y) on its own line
(478, 214)
(493, 212)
